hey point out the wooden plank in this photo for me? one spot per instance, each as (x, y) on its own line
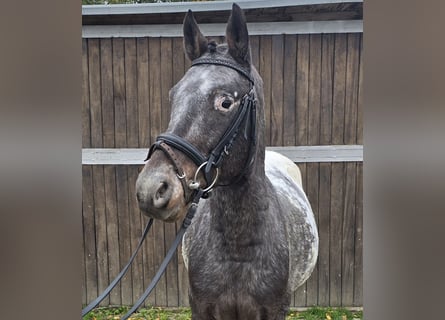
(95, 93)
(143, 92)
(85, 111)
(120, 118)
(289, 99)
(302, 90)
(167, 64)
(339, 89)
(358, 240)
(155, 88)
(350, 136)
(351, 88)
(255, 50)
(124, 232)
(360, 96)
(100, 230)
(136, 229)
(338, 172)
(348, 232)
(112, 230)
(88, 228)
(324, 192)
(159, 254)
(266, 74)
(327, 75)
(218, 29)
(106, 73)
(148, 249)
(314, 90)
(276, 106)
(178, 58)
(131, 94)
(335, 263)
(324, 234)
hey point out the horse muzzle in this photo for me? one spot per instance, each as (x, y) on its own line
(159, 192)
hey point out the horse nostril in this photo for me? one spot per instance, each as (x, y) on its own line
(162, 195)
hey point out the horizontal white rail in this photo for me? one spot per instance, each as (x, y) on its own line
(300, 154)
(219, 29)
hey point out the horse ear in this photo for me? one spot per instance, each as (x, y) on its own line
(237, 36)
(195, 44)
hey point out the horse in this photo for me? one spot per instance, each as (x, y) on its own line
(253, 239)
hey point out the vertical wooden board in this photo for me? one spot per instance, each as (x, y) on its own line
(101, 230)
(302, 90)
(95, 93)
(339, 88)
(360, 95)
(358, 240)
(327, 75)
(166, 80)
(135, 234)
(86, 125)
(106, 72)
(266, 73)
(120, 115)
(335, 263)
(88, 225)
(289, 101)
(159, 254)
(324, 214)
(155, 87)
(183, 284)
(348, 233)
(124, 232)
(149, 270)
(112, 231)
(351, 90)
(131, 93)
(143, 92)
(171, 274)
(314, 90)
(255, 50)
(276, 106)
(177, 60)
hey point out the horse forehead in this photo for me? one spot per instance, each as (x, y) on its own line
(202, 80)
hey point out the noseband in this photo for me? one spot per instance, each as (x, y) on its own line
(246, 114)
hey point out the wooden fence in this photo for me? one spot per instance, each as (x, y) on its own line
(313, 94)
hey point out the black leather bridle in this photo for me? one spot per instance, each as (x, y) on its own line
(167, 142)
(246, 114)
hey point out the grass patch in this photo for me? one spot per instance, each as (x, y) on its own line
(315, 313)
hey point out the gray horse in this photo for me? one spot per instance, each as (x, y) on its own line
(254, 240)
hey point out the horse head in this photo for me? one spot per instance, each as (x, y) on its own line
(214, 136)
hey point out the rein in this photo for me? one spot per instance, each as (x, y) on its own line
(166, 142)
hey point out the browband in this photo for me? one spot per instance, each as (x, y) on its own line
(224, 62)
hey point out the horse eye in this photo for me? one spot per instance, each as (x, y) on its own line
(226, 104)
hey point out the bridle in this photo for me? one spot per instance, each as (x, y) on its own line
(168, 142)
(211, 164)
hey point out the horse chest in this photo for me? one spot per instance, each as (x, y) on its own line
(228, 266)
